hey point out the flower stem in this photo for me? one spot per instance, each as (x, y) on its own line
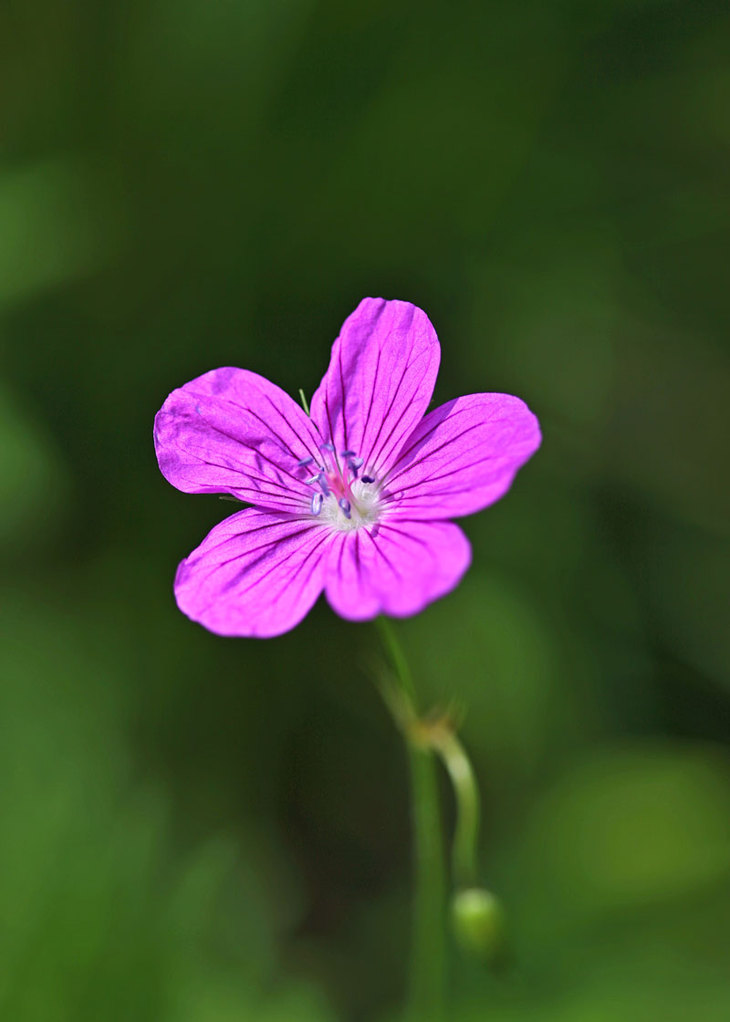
(466, 792)
(428, 949)
(427, 977)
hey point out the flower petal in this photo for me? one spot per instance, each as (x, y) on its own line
(379, 381)
(256, 574)
(396, 569)
(233, 431)
(462, 457)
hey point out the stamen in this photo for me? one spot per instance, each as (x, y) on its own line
(355, 463)
(313, 479)
(316, 505)
(327, 447)
(367, 479)
(347, 454)
(303, 462)
(322, 480)
(353, 467)
(345, 505)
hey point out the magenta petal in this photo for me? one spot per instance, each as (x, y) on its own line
(462, 457)
(397, 569)
(256, 574)
(233, 431)
(379, 381)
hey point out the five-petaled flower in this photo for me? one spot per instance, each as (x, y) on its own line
(354, 500)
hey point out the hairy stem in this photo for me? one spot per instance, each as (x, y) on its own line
(427, 977)
(466, 792)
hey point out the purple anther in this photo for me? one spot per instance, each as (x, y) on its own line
(345, 505)
(347, 454)
(316, 505)
(322, 480)
(354, 465)
(327, 447)
(313, 479)
(303, 462)
(367, 479)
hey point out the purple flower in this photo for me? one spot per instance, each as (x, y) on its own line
(353, 500)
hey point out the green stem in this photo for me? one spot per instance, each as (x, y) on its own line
(398, 659)
(427, 978)
(466, 834)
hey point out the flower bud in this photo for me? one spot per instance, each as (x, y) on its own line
(477, 920)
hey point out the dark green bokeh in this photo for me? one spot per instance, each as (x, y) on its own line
(206, 830)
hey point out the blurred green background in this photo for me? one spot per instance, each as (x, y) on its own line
(195, 829)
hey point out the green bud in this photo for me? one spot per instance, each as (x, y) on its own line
(477, 920)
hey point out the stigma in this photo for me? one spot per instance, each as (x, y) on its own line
(342, 497)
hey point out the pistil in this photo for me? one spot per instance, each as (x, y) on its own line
(335, 476)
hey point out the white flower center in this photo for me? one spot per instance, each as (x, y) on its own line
(364, 508)
(343, 494)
